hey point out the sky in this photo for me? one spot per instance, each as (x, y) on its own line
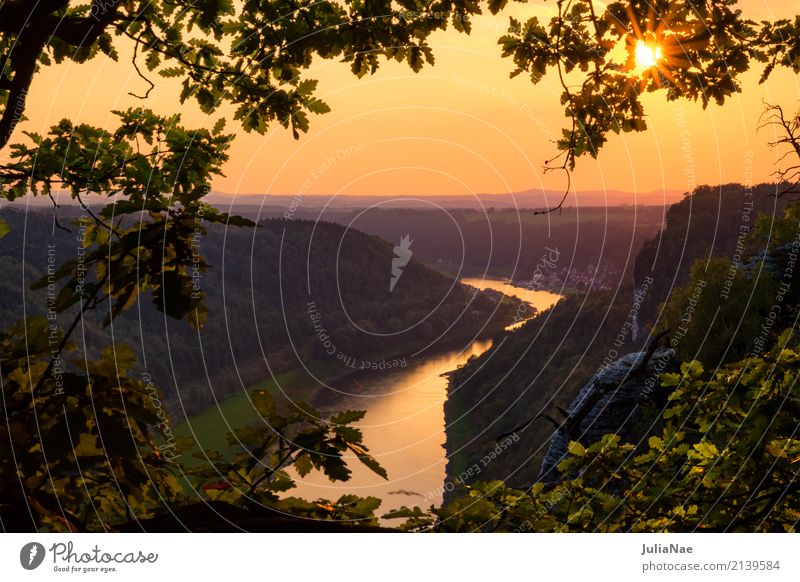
(462, 127)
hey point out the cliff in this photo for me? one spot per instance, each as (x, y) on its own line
(619, 399)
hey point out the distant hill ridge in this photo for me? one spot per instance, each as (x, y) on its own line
(529, 199)
(526, 199)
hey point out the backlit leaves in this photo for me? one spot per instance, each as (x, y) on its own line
(589, 47)
(256, 469)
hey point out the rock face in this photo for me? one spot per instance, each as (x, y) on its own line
(611, 402)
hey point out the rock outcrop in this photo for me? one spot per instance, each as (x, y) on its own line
(611, 402)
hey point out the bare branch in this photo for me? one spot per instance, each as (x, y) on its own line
(139, 72)
(55, 214)
(528, 422)
(787, 177)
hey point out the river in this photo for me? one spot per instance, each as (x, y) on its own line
(538, 298)
(404, 425)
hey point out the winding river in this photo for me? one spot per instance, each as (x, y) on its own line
(404, 425)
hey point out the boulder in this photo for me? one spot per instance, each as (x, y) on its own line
(611, 402)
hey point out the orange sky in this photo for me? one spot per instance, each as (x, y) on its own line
(460, 127)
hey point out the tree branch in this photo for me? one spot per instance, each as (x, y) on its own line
(788, 177)
(23, 62)
(17, 14)
(139, 72)
(34, 27)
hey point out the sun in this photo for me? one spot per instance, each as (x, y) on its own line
(647, 56)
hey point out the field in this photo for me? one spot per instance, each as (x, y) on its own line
(209, 428)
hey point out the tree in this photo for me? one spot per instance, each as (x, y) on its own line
(252, 55)
(696, 308)
(605, 60)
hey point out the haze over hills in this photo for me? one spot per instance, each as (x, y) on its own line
(595, 244)
(533, 198)
(530, 199)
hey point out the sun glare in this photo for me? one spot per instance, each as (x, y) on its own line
(646, 56)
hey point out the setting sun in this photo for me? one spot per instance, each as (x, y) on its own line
(646, 56)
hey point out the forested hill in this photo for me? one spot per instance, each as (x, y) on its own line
(282, 295)
(542, 366)
(527, 373)
(596, 245)
(713, 222)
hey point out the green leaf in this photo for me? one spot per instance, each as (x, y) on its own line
(349, 433)
(303, 465)
(706, 450)
(655, 443)
(264, 403)
(87, 446)
(307, 87)
(404, 513)
(693, 368)
(669, 380)
(152, 61)
(496, 6)
(171, 72)
(218, 126)
(372, 464)
(348, 416)
(318, 107)
(576, 449)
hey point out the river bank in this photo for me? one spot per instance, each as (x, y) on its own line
(316, 383)
(404, 426)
